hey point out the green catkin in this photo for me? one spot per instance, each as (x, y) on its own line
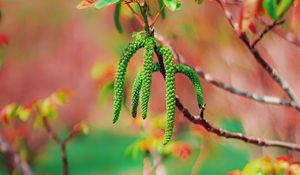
(156, 67)
(132, 48)
(147, 74)
(136, 88)
(167, 55)
(193, 76)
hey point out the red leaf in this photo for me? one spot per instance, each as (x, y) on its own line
(3, 40)
(259, 8)
(182, 150)
(252, 28)
(286, 158)
(3, 116)
(23, 131)
(30, 105)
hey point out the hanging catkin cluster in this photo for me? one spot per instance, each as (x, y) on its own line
(142, 84)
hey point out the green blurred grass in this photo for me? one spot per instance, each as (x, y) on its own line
(98, 153)
(102, 152)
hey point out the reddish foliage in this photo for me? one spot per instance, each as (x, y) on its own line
(3, 40)
(30, 105)
(286, 157)
(22, 131)
(252, 28)
(4, 118)
(182, 150)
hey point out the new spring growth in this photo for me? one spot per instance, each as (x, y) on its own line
(143, 81)
(136, 88)
(147, 74)
(132, 48)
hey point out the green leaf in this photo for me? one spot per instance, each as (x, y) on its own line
(172, 4)
(232, 125)
(61, 97)
(199, 1)
(12, 111)
(270, 6)
(23, 113)
(103, 3)
(47, 110)
(161, 7)
(134, 150)
(38, 122)
(283, 7)
(117, 17)
(261, 166)
(106, 90)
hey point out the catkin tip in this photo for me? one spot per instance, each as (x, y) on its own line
(166, 141)
(115, 120)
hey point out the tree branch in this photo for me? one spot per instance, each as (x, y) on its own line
(19, 165)
(62, 143)
(272, 73)
(288, 36)
(265, 31)
(227, 87)
(259, 59)
(200, 120)
(223, 133)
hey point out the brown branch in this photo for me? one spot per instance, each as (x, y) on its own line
(272, 73)
(64, 157)
(200, 120)
(19, 164)
(288, 36)
(262, 99)
(50, 131)
(227, 87)
(259, 59)
(62, 143)
(229, 17)
(265, 31)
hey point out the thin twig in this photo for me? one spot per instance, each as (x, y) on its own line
(144, 12)
(227, 87)
(19, 164)
(64, 158)
(139, 19)
(229, 17)
(262, 99)
(265, 31)
(50, 131)
(271, 71)
(200, 120)
(62, 143)
(223, 133)
(288, 36)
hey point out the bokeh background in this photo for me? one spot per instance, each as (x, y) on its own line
(53, 45)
